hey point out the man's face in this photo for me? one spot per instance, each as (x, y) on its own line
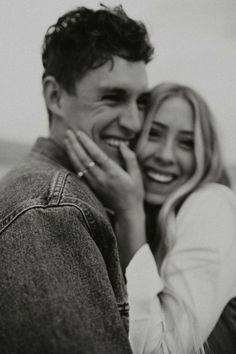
(108, 104)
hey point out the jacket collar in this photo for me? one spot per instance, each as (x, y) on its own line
(48, 148)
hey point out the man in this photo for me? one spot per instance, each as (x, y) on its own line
(61, 286)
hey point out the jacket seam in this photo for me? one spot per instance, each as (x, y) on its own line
(8, 220)
(57, 187)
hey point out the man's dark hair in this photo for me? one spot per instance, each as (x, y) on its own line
(85, 39)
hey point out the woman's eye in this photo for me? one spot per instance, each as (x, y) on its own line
(187, 144)
(154, 133)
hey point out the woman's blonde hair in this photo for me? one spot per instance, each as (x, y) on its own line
(209, 166)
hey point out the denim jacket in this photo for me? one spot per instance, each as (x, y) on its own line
(61, 286)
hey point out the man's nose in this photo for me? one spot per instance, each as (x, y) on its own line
(131, 119)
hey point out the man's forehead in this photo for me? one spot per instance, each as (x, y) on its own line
(117, 75)
(123, 88)
(125, 75)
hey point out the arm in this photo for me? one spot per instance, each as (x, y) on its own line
(130, 233)
(36, 306)
(56, 296)
(196, 281)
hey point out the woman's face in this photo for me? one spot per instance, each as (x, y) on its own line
(167, 156)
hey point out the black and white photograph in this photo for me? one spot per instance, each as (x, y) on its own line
(118, 177)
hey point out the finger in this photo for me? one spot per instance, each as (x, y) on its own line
(82, 170)
(81, 154)
(94, 151)
(85, 168)
(73, 155)
(130, 159)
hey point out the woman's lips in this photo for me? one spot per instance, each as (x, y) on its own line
(160, 177)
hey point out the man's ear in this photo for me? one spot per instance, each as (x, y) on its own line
(52, 95)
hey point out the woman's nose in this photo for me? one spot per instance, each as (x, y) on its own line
(166, 152)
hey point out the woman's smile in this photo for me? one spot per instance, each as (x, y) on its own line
(167, 157)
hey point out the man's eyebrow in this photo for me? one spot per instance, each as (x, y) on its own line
(112, 90)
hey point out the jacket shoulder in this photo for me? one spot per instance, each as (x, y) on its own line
(42, 184)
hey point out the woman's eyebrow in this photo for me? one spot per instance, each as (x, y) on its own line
(187, 133)
(159, 124)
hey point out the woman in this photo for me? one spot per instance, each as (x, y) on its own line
(180, 272)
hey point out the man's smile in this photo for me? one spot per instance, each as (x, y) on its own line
(115, 142)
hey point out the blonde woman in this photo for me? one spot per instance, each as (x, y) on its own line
(180, 262)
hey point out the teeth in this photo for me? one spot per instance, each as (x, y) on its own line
(159, 177)
(116, 142)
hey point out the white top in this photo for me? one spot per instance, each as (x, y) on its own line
(200, 270)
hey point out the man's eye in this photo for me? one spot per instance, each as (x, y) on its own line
(141, 107)
(111, 98)
(142, 104)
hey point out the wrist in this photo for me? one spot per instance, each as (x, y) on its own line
(133, 213)
(130, 231)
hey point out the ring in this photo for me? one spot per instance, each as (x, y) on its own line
(90, 164)
(80, 174)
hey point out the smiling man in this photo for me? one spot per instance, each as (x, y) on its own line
(107, 104)
(62, 290)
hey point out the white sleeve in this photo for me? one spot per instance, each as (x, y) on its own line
(143, 285)
(198, 274)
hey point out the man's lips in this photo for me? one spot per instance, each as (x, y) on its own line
(115, 142)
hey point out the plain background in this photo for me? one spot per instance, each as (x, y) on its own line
(195, 44)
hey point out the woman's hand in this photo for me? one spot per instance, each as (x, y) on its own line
(119, 190)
